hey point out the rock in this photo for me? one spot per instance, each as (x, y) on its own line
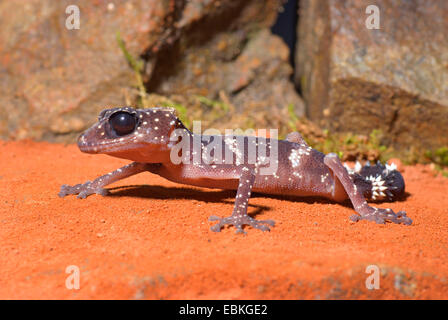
(54, 81)
(255, 81)
(393, 78)
(51, 74)
(263, 90)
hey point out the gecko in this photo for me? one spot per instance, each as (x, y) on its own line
(155, 140)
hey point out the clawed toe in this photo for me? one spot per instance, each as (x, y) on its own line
(82, 190)
(400, 217)
(238, 221)
(381, 216)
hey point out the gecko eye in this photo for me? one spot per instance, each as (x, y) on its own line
(123, 123)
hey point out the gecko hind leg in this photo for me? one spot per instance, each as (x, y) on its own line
(239, 216)
(84, 190)
(365, 211)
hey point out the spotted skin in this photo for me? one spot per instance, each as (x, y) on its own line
(155, 134)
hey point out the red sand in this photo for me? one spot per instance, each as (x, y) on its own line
(152, 239)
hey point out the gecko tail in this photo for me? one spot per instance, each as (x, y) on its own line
(378, 182)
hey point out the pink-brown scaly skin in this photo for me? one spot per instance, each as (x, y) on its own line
(301, 170)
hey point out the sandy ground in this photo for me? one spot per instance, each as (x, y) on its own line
(151, 238)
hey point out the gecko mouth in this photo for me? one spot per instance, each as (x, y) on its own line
(108, 146)
(112, 134)
(93, 142)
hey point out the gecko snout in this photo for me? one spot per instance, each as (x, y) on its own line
(84, 145)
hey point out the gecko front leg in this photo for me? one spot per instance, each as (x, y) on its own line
(96, 186)
(365, 211)
(239, 216)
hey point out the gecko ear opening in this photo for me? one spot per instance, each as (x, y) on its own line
(123, 123)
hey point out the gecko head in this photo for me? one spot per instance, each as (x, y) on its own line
(134, 134)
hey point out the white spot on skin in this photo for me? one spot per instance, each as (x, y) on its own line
(358, 167)
(391, 167)
(377, 186)
(232, 145)
(323, 177)
(296, 154)
(297, 174)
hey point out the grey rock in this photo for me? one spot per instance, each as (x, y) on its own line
(393, 78)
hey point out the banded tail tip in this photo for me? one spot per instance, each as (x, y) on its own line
(386, 181)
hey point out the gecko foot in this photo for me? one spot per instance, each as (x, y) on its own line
(382, 215)
(83, 190)
(238, 221)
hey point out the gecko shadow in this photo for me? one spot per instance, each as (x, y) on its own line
(211, 195)
(346, 203)
(220, 196)
(165, 193)
(181, 193)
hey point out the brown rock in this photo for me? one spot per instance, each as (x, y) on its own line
(393, 78)
(54, 81)
(51, 73)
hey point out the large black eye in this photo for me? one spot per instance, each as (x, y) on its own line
(123, 123)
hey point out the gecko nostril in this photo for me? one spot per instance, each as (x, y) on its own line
(82, 139)
(123, 123)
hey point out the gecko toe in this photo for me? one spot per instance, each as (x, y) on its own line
(239, 221)
(269, 222)
(381, 216)
(83, 194)
(240, 230)
(63, 191)
(83, 190)
(400, 217)
(379, 220)
(263, 227)
(216, 228)
(102, 192)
